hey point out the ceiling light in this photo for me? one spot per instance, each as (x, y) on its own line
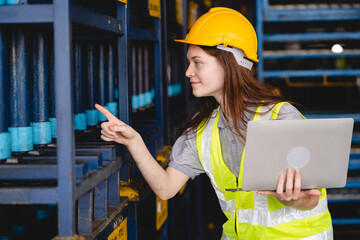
(337, 48)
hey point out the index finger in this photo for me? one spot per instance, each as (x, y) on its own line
(104, 111)
(297, 187)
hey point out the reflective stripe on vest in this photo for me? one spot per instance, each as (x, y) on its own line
(257, 216)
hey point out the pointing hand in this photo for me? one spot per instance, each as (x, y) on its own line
(115, 130)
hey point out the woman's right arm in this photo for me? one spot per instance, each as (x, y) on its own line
(164, 183)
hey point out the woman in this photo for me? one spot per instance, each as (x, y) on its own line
(222, 49)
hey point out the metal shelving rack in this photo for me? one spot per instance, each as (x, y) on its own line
(82, 202)
(266, 13)
(175, 96)
(271, 14)
(145, 68)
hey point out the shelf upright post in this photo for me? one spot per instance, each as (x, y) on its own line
(64, 114)
(259, 32)
(123, 53)
(166, 82)
(187, 87)
(124, 102)
(158, 75)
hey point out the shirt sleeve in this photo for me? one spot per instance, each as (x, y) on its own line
(288, 112)
(184, 156)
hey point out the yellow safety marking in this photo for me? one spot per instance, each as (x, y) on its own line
(208, 3)
(193, 13)
(129, 191)
(182, 190)
(323, 83)
(123, 1)
(75, 237)
(120, 233)
(163, 156)
(179, 12)
(161, 212)
(155, 8)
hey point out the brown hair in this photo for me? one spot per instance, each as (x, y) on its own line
(241, 91)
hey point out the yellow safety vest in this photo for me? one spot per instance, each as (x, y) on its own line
(251, 215)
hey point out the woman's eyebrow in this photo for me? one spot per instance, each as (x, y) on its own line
(193, 57)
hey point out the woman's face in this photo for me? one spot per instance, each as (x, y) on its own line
(205, 73)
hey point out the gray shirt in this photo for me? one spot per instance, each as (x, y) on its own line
(184, 155)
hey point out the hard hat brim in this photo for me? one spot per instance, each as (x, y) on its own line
(192, 43)
(187, 42)
(183, 41)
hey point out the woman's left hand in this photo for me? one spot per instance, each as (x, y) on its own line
(289, 192)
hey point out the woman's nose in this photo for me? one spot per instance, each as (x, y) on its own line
(189, 73)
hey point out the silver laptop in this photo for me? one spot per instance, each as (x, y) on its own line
(320, 148)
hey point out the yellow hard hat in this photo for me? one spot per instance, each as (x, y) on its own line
(224, 26)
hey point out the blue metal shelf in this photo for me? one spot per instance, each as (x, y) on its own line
(75, 183)
(139, 40)
(274, 15)
(356, 138)
(353, 164)
(355, 157)
(94, 161)
(304, 13)
(144, 34)
(310, 73)
(316, 115)
(309, 54)
(343, 199)
(324, 36)
(108, 152)
(346, 221)
(101, 175)
(39, 172)
(44, 13)
(95, 20)
(352, 184)
(41, 13)
(27, 195)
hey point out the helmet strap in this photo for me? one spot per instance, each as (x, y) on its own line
(239, 56)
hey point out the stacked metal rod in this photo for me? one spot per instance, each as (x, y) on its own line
(9, 2)
(91, 113)
(80, 115)
(100, 81)
(143, 91)
(175, 73)
(20, 128)
(5, 150)
(52, 110)
(39, 98)
(27, 90)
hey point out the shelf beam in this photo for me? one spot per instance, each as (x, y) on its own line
(35, 13)
(311, 73)
(85, 17)
(285, 15)
(301, 37)
(44, 13)
(346, 221)
(27, 195)
(316, 115)
(321, 53)
(38, 171)
(143, 34)
(100, 175)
